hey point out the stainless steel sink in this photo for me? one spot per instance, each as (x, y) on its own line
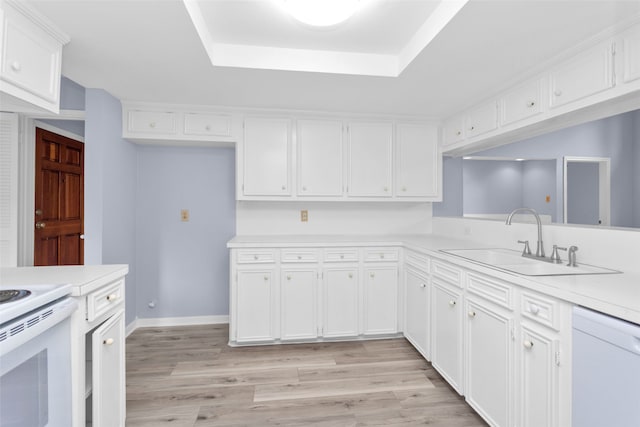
(513, 261)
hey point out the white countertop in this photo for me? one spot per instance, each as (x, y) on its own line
(83, 278)
(614, 294)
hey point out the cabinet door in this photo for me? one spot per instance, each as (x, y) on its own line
(418, 161)
(30, 61)
(417, 310)
(521, 103)
(380, 300)
(538, 378)
(108, 372)
(631, 54)
(586, 74)
(340, 302)
(446, 332)
(298, 308)
(482, 120)
(370, 159)
(453, 130)
(267, 157)
(256, 308)
(489, 362)
(319, 153)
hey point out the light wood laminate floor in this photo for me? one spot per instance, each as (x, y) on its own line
(188, 376)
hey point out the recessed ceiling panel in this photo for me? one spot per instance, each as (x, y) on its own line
(381, 38)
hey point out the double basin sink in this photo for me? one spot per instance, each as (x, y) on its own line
(513, 261)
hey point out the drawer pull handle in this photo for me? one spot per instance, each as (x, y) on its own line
(423, 285)
(530, 104)
(108, 341)
(112, 297)
(527, 344)
(534, 309)
(452, 303)
(458, 133)
(472, 313)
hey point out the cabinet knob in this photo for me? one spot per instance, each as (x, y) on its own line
(112, 297)
(472, 128)
(284, 187)
(534, 309)
(288, 277)
(304, 188)
(527, 344)
(423, 285)
(152, 124)
(452, 303)
(207, 127)
(108, 341)
(16, 66)
(255, 257)
(372, 275)
(341, 256)
(557, 92)
(531, 104)
(386, 188)
(350, 275)
(458, 133)
(299, 256)
(472, 313)
(266, 277)
(404, 188)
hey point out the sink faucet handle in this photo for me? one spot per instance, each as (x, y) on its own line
(572, 256)
(526, 250)
(555, 256)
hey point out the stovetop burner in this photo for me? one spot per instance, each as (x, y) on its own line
(11, 295)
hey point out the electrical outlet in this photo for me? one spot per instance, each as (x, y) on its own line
(184, 215)
(548, 199)
(304, 215)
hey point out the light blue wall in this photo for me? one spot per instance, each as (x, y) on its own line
(451, 204)
(72, 97)
(616, 137)
(184, 266)
(491, 187)
(538, 182)
(582, 188)
(636, 178)
(110, 183)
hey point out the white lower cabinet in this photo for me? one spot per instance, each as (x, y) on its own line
(108, 361)
(299, 304)
(447, 332)
(256, 305)
(489, 361)
(538, 376)
(380, 299)
(417, 313)
(340, 306)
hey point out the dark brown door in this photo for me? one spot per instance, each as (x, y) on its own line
(59, 200)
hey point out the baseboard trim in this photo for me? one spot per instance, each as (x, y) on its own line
(177, 321)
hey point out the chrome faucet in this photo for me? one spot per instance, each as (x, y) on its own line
(540, 247)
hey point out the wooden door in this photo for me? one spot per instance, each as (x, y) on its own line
(59, 200)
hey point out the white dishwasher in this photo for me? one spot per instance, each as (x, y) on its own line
(606, 371)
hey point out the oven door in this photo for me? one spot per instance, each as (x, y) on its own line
(35, 380)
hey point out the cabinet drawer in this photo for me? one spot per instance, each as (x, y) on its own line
(105, 299)
(447, 271)
(299, 255)
(380, 254)
(481, 120)
(207, 124)
(341, 255)
(254, 256)
(453, 130)
(540, 309)
(491, 289)
(417, 259)
(152, 122)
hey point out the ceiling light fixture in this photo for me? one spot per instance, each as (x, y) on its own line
(321, 13)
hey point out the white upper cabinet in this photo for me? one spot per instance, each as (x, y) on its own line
(320, 158)
(370, 159)
(30, 59)
(521, 103)
(482, 120)
(266, 157)
(418, 161)
(453, 130)
(631, 54)
(585, 74)
(202, 124)
(155, 122)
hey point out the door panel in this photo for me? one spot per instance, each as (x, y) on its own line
(59, 200)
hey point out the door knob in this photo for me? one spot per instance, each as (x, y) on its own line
(38, 212)
(40, 225)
